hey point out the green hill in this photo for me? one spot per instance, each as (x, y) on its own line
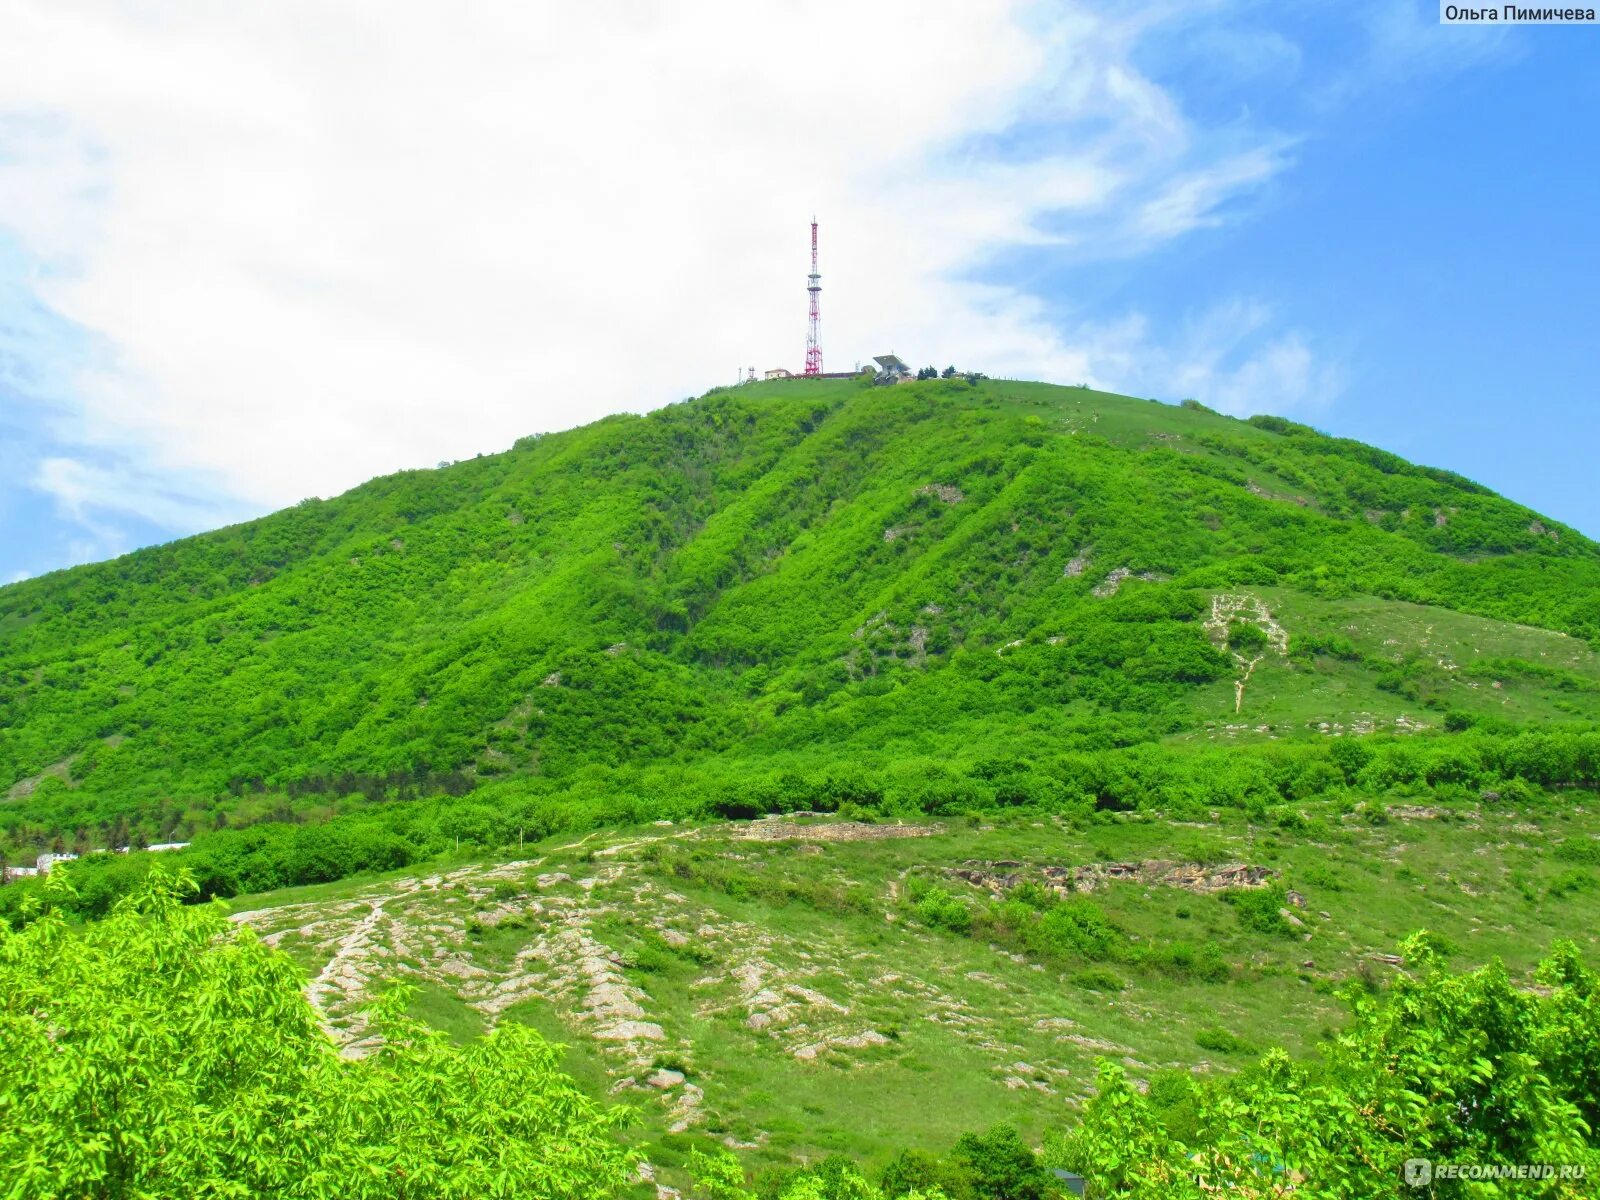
(1082, 730)
(797, 595)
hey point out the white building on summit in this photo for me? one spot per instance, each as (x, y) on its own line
(890, 365)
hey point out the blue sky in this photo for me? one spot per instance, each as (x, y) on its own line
(1432, 229)
(236, 269)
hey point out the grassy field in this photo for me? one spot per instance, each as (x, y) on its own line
(772, 986)
(1449, 661)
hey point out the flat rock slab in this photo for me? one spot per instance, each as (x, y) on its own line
(774, 830)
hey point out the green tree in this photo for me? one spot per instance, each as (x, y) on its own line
(718, 1176)
(1467, 1068)
(166, 1052)
(1000, 1166)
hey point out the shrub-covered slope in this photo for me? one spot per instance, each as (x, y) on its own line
(805, 978)
(790, 569)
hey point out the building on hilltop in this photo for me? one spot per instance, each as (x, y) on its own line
(890, 368)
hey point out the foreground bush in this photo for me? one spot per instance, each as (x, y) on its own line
(994, 1165)
(1461, 1069)
(164, 1052)
(718, 1176)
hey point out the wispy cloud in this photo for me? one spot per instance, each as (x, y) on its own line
(1198, 199)
(83, 489)
(1401, 44)
(1234, 356)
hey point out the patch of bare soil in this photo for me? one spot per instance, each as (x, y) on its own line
(1112, 583)
(23, 788)
(1365, 723)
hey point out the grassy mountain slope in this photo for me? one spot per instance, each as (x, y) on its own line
(802, 987)
(787, 573)
(1140, 732)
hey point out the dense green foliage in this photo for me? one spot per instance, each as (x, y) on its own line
(994, 1165)
(1455, 1069)
(163, 1052)
(1268, 782)
(780, 574)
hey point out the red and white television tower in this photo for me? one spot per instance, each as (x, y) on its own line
(814, 287)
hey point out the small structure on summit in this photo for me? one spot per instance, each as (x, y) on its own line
(813, 368)
(890, 367)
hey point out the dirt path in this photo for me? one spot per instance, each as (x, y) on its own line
(1228, 609)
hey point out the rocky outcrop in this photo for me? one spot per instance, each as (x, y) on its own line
(1003, 875)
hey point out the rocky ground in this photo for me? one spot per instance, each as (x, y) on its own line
(559, 933)
(769, 985)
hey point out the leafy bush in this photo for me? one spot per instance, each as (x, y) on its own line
(1223, 1042)
(999, 1166)
(940, 909)
(1572, 883)
(1579, 850)
(1260, 909)
(1096, 979)
(1247, 638)
(1185, 960)
(1077, 926)
(165, 1051)
(1409, 1079)
(1175, 1097)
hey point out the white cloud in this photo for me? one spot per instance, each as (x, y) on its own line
(324, 239)
(1233, 356)
(1195, 200)
(83, 489)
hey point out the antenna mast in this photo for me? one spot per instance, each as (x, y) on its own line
(814, 287)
